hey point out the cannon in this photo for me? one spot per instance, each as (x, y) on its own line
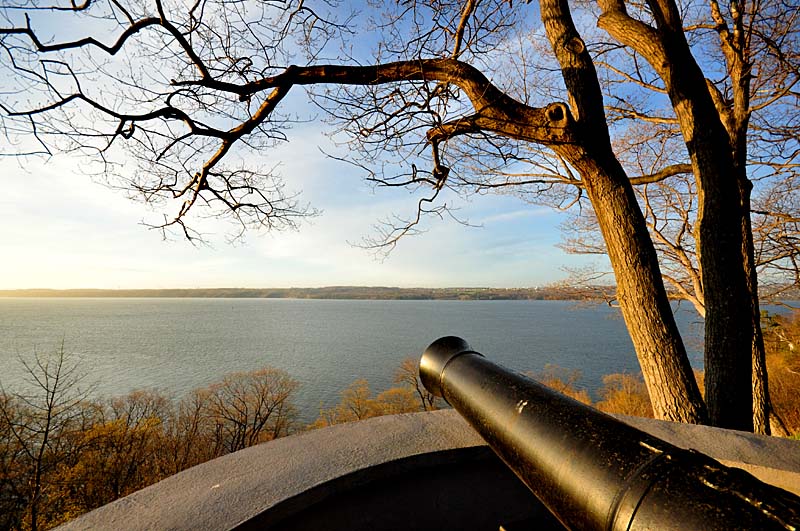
(591, 470)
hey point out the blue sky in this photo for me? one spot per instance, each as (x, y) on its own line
(62, 230)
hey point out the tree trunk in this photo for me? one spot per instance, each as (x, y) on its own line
(760, 382)
(645, 307)
(729, 311)
(643, 300)
(736, 120)
(761, 400)
(729, 319)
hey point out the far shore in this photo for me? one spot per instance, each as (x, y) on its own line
(333, 292)
(601, 293)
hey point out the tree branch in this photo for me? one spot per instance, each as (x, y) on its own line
(469, 8)
(669, 171)
(130, 31)
(634, 33)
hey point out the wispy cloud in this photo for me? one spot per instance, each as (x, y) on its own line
(62, 230)
(527, 212)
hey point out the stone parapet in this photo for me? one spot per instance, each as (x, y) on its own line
(421, 470)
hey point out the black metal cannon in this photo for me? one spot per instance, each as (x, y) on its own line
(591, 470)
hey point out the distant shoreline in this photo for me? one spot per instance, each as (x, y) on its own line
(330, 292)
(560, 293)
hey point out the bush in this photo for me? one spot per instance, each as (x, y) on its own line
(625, 394)
(563, 381)
(782, 341)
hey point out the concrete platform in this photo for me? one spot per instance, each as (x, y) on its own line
(413, 471)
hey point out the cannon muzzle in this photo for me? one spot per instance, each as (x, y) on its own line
(591, 470)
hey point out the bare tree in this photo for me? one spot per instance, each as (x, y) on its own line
(188, 441)
(224, 69)
(34, 423)
(13, 469)
(249, 408)
(407, 374)
(776, 235)
(755, 98)
(133, 442)
(357, 403)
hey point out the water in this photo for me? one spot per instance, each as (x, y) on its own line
(176, 345)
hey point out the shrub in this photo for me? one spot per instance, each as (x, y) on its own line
(625, 394)
(563, 381)
(782, 341)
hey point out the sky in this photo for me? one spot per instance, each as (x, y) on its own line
(61, 230)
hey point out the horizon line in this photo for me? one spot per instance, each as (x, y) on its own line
(331, 286)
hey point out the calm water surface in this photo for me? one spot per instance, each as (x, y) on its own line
(176, 345)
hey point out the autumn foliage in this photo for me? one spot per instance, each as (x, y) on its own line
(358, 403)
(63, 454)
(782, 338)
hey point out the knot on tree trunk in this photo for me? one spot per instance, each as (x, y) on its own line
(575, 45)
(557, 114)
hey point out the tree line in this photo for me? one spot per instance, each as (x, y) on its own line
(64, 452)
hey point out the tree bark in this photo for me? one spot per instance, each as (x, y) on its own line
(760, 382)
(736, 49)
(645, 306)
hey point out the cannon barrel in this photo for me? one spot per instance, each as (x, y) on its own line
(591, 470)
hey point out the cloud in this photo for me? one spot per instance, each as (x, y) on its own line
(62, 230)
